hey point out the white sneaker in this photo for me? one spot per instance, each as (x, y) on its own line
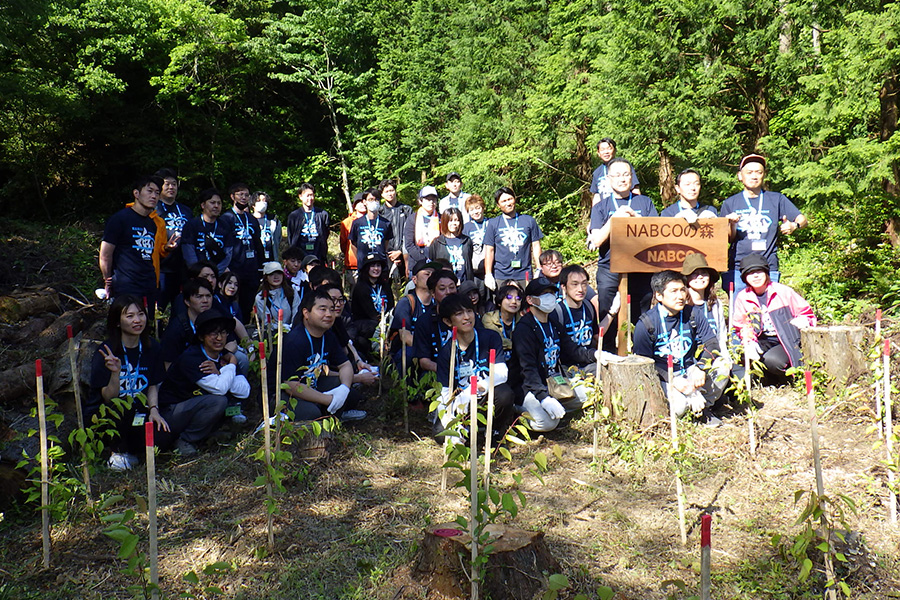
(239, 419)
(119, 462)
(353, 415)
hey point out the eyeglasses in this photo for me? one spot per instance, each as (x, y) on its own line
(218, 333)
(553, 263)
(516, 298)
(339, 300)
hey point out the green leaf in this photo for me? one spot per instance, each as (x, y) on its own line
(603, 593)
(540, 459)
(191, 578)
(558, 581)
(128, 546)
(509, 505)
(805, 568)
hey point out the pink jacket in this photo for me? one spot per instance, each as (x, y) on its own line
(783, 304)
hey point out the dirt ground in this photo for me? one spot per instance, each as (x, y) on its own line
(349, 525)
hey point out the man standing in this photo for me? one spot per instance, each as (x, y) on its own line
(176, 215)
(204, 237)
(688, 207)
(757, 218)
(370, 234)
(308, 227)
(269, 228)
(246, 258)
(672, 329)
(134, 242)
(456, 198)
(622, 203)
(600, 187)
(511, 242)
(396, 214)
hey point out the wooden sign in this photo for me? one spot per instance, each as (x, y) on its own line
(651, 244)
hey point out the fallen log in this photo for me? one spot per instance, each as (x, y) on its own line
(515, 568)
(17, 383)
(636, 386)
(15, 307)
(55, 334)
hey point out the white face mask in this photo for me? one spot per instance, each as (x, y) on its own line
(372, 205)
(262, 207)
(546, 302)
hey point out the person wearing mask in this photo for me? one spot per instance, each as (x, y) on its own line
(371, 233)
(269, 227)
(246, 255)
(397, 213)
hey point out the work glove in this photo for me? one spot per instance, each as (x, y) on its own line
(800, 322)
(604, 358)
(752, 350)
(553, 408)
(616, 304)
(338, 397)
(490, 282)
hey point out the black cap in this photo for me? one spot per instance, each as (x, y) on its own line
(212, 319)
(539, 285)
(424, 263)
(373, 258)
(453, 175)
(308, 260)
(753, 262)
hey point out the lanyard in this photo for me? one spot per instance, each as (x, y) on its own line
(312, 348)
(616, 202)
(508, 335)
(215, 360)
(680, 334)
(125, 356)
(373, 226)
(206, 228)
(750, 206)
(515, 225)
(459, 352)
(167, 211)
(581, 323)
(548, 339)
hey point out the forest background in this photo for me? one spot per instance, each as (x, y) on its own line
(344, 93)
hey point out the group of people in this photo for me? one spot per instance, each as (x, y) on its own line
(225, 277)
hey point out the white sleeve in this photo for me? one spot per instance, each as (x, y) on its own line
(240, 387)
(501, 373)
(221, 383)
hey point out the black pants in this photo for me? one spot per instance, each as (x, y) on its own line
(774, 357)
(608, 285)
(310, 411)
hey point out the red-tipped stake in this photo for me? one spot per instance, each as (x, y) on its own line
(79, 411)
(731, 307)
(45, 476)
(705, 534)
(278, 357)
(817, 464)
(889, 430)
(628, 317)
(473, 478)
(444, 472)
(267, 435)
(489, 426)
(597, 401)
(673, 425)
(878, 388)
(151, 506)
(405, 375)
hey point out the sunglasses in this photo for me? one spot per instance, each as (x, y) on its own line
(516, 298)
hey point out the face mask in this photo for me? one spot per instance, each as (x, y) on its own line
(546, 303)
(372, 206)
(262, 207)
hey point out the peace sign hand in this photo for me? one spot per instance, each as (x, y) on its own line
(110, 360)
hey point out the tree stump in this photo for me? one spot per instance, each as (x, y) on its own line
(635, 381)
(839, 349)
(18, 306)
(514, 570)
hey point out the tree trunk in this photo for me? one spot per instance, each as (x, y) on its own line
(53, 335)
(666, 177)
(761, 112)
(840, 350)
(636, 385)
(514, 570)
(887, 123)
(583, 169)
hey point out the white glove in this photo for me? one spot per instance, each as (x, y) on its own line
(800, 322)
(616, 304)
(696, 401)
(338, 397)
(707, 214)
(489, 281)
(752, 350)
(722, 366)
(553, 408)
(604, 358)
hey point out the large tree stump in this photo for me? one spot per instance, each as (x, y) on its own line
(18, 306)
(635, 382)
(839, 349)
(514, 569)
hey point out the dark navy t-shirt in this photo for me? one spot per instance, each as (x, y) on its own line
(193, 241)
(246, 257)
(141, 368)
(511, 238)
(306, 355)
(473, 361)
(134, 237)
(759, 227)
(371, 237)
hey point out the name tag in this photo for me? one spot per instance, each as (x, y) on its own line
(230, 411)
(139, 419)
(516, 264)
(309, 247)
(251, 254)
(758, 246)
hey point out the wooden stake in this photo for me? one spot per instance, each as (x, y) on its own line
(489, 428)
(673, 425)
(380, 349)
(597, 398)
(79, 410)
(151, 507)
(730, 309)
(446, 444)
(621, 342)
(889, 431)
(814, 432)
(473, 479)
(751, 427)
(878, 388)
(404, 380)
(45, 471)
(628, 321)
(705, 547)
(278, 407)
(267, 435)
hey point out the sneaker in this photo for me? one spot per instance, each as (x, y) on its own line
(711, 420)
(119, 462)
(185, 448)
(353, 415)
(239, 419)
(133, 460)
